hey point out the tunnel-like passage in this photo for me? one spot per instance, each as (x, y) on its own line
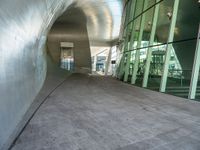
(70, 29)
(53, 54)
(30, 38)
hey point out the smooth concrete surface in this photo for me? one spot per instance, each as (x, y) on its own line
(24, 25)
(101, 113)
(67, 30)
(55, 77)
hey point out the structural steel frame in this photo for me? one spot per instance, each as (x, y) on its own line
(129, 39)
(195, 71)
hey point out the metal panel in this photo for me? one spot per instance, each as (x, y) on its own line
(24, 26)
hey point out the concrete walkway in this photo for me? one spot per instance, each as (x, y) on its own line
(99, 113)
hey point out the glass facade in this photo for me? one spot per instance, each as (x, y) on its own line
(158, 42)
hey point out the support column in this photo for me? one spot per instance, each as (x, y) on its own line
(169, 47)
(131, 41)
(195, 71)
(137, 54)
(151, 41)
(108, 61)
(95, 63)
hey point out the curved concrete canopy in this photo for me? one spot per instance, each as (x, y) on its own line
(24, 25)
(103, 19)
(74, 31)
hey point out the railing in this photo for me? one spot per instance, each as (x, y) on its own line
(180, 74)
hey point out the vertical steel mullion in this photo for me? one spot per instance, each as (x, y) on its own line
(125, 33)
(133, 28)
(131, 41)
(127, 26)
(195, 70)
(137, 54)
(169, 47)
(151, 41)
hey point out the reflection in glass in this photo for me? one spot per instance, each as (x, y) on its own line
(67, 58)
(178, 81)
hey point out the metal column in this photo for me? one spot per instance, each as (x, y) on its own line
(169, 47)
(151, 41)
(125, 43)
(195, 71)
(133, 8)
(137, 54)
(95, 63)
(108, 62)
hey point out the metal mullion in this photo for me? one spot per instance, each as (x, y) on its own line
(195, 70)
(169, 47)
(151, 41)
(131, 41)
(137, 54)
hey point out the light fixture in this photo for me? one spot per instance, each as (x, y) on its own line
(169, 15)
(149, 23)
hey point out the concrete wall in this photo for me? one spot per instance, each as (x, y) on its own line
(76, 32)
(23, 26)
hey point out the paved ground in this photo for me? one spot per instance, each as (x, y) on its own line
(99, 113)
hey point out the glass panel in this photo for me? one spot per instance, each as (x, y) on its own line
(113, 60)
(151, 3)
(139, 7)
(132, 63)
(144, 45)
(187, 20)
(100, 65)
(156, 66)
(183, 50)
(148, 26)
(67, 58)
(160, 40)
(180, 68)
(132, 60)
(162, 30)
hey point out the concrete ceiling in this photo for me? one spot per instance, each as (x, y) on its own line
(103, 19)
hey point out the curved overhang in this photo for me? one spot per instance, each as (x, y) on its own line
(24, 26)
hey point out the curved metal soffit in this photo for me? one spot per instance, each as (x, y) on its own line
(24, 25)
